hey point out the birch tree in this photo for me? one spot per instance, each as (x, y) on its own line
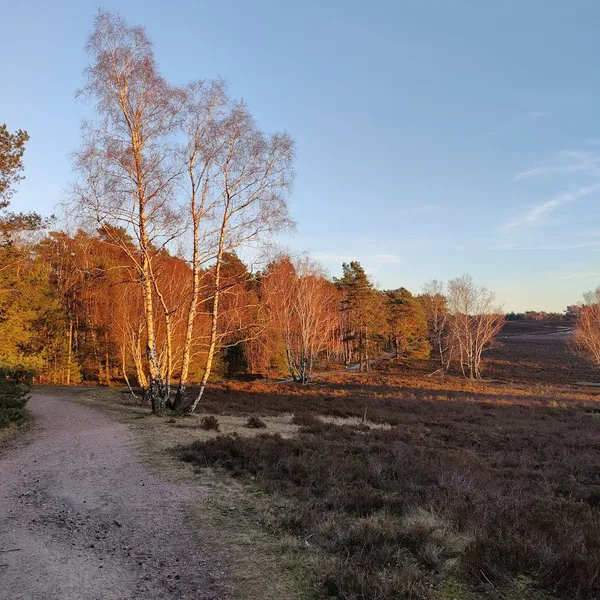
(475, 320)
(205, 110)
(251, 177)
(438, 321)
(303, 307)
(586, 335)
(126, 162)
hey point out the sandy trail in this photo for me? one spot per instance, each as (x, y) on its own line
(82, 518)
(353, 368)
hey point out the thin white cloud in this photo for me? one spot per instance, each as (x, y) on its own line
(516, 247)
(580, 275)
(565, 162)
(537, 212)
(587, 234)
(533, 115)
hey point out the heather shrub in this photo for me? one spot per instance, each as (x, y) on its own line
(255, 423)
(209, 423)
(456, 496)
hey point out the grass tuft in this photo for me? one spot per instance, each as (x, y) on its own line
(209, 423)
(255, 423)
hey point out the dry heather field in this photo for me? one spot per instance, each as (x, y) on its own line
(397, 484)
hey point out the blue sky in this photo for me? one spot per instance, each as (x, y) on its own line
(433, 138)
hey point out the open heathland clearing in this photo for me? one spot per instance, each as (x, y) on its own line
(277, 424)
(396, 484)
(538, 352)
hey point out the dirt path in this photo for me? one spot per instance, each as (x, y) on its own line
(82, 518)
(353, 368)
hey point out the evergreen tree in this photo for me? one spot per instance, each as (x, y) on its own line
(363, 313)
(407, 324)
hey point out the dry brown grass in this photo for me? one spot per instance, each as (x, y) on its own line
(458, 489)
(400, 485)
(538, 352)
(486, 496)
(262, 565)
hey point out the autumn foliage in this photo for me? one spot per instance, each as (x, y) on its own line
(146, 287)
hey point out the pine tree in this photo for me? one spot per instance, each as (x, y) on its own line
(363, 313)
(407, 324)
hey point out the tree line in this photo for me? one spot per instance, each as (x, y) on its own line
(72, 312)
(538, 315)
(146, 285)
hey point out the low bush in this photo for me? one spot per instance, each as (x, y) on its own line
(255, 423)
(305, 420)
(470, 496)
(209, 423)
(13, 399)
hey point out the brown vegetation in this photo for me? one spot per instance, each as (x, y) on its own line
(586, 335)
(538, 352)
(472, 489)
(401, 478)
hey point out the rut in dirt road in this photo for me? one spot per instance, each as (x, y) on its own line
(81, 518)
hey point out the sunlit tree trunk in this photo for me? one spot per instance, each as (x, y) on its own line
(197, 214)
(189, 329)
(214, 316)
(127, 160)
(69, 352)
